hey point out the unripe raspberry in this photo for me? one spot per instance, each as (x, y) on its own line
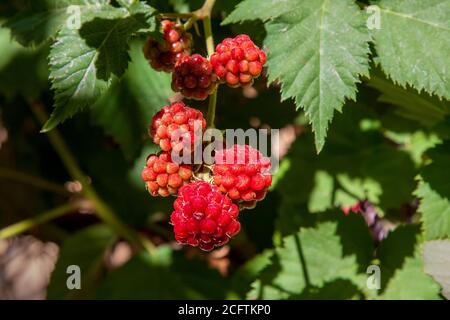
(164, 177)
(173, 126)
(242, 173)
(193, 76)
(238, 61)
(176, 43)
(203, 217)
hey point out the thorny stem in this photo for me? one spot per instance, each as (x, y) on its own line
(102, 209)
(28, 224)
(37, 182)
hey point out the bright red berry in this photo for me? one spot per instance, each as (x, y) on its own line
(174, 125)
(242, 172)
(238, 61)
(356, 208)
(193, 76)
(203, 217)
(164, 177)
(163, 55)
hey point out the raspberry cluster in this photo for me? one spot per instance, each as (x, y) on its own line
(238, 61)
(163, 55)
(208, 201)
(163, 177)
(193, 76)
(203, 217)
(242, 173)
(173, 126)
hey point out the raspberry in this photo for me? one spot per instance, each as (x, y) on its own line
(177, 43)
(356, 208)
(164, 177)
(242, 173)
(193, 76)
(174, 124)
(204, 217)
(238, 61)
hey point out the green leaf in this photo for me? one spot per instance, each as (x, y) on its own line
(410, 282)
(318, 50)
(82, 63)
(126, 108)
(164, 275)
(400, 244)
(110, 38)
(320, 199)
(413, 41)
(401, 265)
(44, 18)
(339, 289)
(420, 107)
(436, 256)
(84, 249)
(248, 273)
(434, 191)
(22, 71)
(311, 257)
(351, 168)
(257, 9)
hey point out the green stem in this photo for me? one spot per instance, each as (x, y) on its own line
(208, 35)
(28, 224)
(33, 181)
(205, 12)
(177, 15)
(211, 110)
(104, 212)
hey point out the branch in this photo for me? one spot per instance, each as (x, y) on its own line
(205, 12)
(25, 225)
(33, 181)
(104, 212)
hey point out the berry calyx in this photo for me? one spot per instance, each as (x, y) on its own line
(173, 127)
(203, 217)
(243, 173)
(237, 61)
(193, 76)
(163, 177)
(163, 56)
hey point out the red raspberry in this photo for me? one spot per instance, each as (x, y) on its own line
(204, 217)
(242, 173)
(177, 43)
(164, 177)
(193, 76)
(238, 61)
(356, 208)
(175, 124)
